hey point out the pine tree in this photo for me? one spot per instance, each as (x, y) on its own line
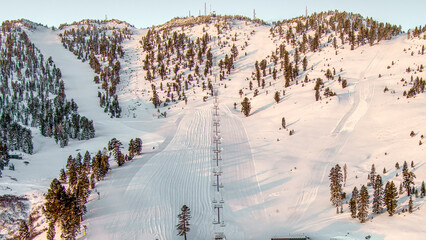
(137, 146)
(336, 180)
(86, 161)
(131, 150)
(408, 178)
(118, 156)
(363, 205)
(183, 225)
(378, 195)
(70, 217)
(372, 175)
(353, 207)
(410, 205)
(283, 122)
(277, 97)
(55, 197)
(23, 231)
(422, 190)
(305, 63)
(391, 198)
(51, 232)
(345, 173)
(62, 176)
(245, 104)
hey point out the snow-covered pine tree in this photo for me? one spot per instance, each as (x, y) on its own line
(183, 218)
(363, 204)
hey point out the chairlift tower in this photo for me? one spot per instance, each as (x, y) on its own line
(217, 173)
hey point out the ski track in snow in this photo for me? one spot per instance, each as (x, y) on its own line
(242, 193)
(178, 175)
(145, 197)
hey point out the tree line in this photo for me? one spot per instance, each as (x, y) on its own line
(100, 45)
(384, 198)
(33, 94)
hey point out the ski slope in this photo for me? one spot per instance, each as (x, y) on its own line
(273, 184)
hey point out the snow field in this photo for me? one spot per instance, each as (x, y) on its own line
(274, 184)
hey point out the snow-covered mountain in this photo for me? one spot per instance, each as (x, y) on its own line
(331, 88)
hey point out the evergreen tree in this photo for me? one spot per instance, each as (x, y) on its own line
(336, 179)
(408, 179)
(131, 150)
(86, 161)
(62, 176)
(391, 198)
(378, 195)
(51, 232)
(305, 63)
(410, 205)
(283, 122)
(70, 217)
(363, 205)
(183, 225)
(245, 105)
(372, 175)
(353, 207)
(23, 231)
(277, 97)
(53, 207)
(422, 189)
(137, 146)
(118, 156)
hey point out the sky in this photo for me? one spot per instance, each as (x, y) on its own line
(143, 14)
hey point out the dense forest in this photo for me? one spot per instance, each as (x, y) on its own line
(99, 43)
(33, 94)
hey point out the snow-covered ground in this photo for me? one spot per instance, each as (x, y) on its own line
(273, 184)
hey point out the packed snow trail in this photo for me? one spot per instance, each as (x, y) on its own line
(143, 200)
(242, 194)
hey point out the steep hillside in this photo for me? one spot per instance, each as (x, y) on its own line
(326, 89)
